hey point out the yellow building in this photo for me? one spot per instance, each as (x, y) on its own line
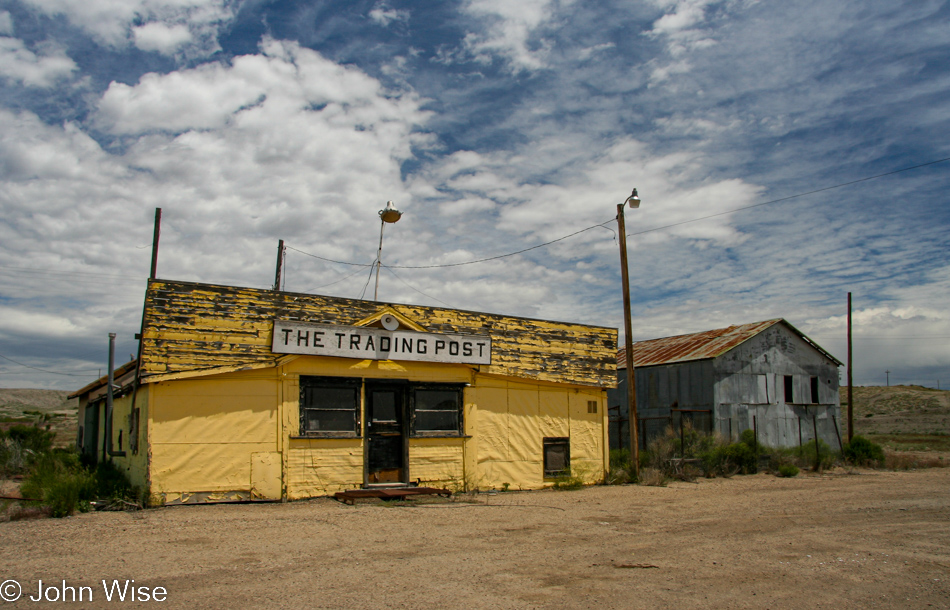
(247, 394)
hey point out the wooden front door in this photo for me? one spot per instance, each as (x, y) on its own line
(385, 433)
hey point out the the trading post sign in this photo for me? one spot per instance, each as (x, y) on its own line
(378, 343)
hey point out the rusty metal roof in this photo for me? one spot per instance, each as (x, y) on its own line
(702, 345)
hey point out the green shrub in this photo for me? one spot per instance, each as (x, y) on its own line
(862, 452)
(748, 438)
(112, 483)
(620, 458)
(58, 481)
(735, 457)
(787, 470)
(20, 446)
(33, 439)
(569, 480)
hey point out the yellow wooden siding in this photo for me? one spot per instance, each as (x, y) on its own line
(319, 467)
(514, 417)
(437, 462)
(587, 437)
(205, 432)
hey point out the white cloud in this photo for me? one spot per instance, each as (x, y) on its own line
(41, 70)
(6, 23)
(161, 38)
(283, 144)
(151, 24)
(384, 15)
(510, 33)
(587, 53)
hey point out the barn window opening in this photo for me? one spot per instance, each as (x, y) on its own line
(789, 390)
(814, 390)
(436, 409)
(557, 456)
(329, 406)
(591, 406)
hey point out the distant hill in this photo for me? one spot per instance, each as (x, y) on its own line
(898, 410)
(883, 400)
(43, 407)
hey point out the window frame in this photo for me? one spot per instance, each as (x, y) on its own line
(554, 441)
(458, 388)
(815, 391)
(789, 389)
(316, 381)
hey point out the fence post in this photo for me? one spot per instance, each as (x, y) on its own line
(814, 423)
(755, 435)
(837, 433)
(682, 442)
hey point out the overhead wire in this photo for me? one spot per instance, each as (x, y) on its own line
(603, 224)
(387, 268)
(44, 370)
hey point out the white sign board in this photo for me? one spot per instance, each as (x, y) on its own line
(378, 343)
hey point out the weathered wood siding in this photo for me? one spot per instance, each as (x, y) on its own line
(193, 328)
(744, 388)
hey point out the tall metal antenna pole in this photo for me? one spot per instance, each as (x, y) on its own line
(155, 236)
(280, 265)
(379, 261)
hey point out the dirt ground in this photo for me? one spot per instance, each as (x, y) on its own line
(868, 539)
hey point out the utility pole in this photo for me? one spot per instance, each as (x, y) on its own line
(107, 428)
(888, 373)
(850, 400)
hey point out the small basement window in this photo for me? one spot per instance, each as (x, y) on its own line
(789, 390)
(329, 406)
(814, 390)
(557, 456)
(436, 410)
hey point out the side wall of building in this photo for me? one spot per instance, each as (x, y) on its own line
(661, 388)
(236, 436)
(751, 390)
(93, 443)
(215, 438)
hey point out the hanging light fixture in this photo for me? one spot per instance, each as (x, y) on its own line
(391, 215)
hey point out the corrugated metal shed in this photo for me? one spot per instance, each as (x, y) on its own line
(702, 345)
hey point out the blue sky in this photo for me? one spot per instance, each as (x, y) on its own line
(494, 126)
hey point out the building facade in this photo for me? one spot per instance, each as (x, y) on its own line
(247, 394)
(765, 376)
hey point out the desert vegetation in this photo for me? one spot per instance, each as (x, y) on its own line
(53, 480)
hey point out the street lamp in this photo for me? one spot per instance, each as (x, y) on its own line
(391, 215)
(632, 422)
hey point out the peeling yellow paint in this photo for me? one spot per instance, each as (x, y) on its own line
(220, 416)
(195, 327)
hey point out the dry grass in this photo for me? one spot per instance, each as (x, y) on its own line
(912, 442)
(652, 477)
(907, 460)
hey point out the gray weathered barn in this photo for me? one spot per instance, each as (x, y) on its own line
(766, 376)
